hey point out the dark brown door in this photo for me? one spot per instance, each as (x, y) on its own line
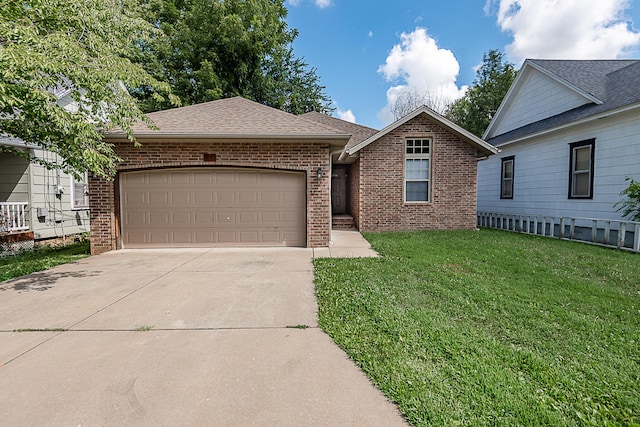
(339, 191)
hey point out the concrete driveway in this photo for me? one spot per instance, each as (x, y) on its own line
(177, 337)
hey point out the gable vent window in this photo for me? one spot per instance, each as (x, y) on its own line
(506, 180)
(417, 170)
(581, 169)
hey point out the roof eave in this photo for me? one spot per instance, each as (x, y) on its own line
(570, 124)
(482, 146)
(290, 137)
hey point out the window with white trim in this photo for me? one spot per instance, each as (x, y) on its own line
(80, 191)
(581, 169)
(506, 180)
(417, 170)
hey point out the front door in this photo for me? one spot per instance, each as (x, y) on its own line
(339, 191)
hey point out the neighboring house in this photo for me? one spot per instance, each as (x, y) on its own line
(37, 202)
(569, 134)
(237, 173)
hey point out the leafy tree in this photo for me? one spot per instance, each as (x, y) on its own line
(475, 110)
(212, 49)
(80, 48)
(630, 204)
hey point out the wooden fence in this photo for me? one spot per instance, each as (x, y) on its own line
(605, 232)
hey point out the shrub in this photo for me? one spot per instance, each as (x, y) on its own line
(630, 204)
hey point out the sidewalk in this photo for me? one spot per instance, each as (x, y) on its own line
(346, 244)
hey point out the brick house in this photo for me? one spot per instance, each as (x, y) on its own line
(237, 173)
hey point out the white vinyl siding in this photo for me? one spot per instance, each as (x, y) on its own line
(539, 97)
(543, 169)
(61, 219)
(417, 170)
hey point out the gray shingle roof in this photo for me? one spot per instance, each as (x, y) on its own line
(233, 118)
(358, 132)
(616, 83)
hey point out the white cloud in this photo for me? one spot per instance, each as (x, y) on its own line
(567, 29)
(320, 3)
(346, 115)
(417, 65)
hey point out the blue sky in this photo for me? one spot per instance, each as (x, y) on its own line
(367, 53)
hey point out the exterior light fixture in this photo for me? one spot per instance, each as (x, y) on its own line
(320, 173)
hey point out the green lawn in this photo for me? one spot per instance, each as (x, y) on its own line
(490, 327)
(41, 259)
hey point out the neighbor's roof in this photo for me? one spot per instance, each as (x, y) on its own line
(233, 118)
(483, 147)
(12, 141)
(610, 85)
(358, 132)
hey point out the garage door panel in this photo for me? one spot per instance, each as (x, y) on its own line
(178, 178)
(135, 218)
(213, 207)
(270, 217)
(248, 198)
(181, 218)
(249, 218)
(227, 198)
(203, 219)
(163, 179)
(181, 198)
(204, 197)
(159, 218)
(204, 237)
(182, 237)
(160, 198)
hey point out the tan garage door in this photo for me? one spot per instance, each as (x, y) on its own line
(213, 207)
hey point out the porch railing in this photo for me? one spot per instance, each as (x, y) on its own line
(605, 232)
(13, 216)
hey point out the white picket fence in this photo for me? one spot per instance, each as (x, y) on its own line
(604, 232)
(13, 216)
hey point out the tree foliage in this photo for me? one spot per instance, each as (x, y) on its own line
(630, 203)
(83, 49)
(212, 49)
(475, 110)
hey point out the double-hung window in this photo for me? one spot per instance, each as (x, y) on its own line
(80, 191)
(417, 170)
(581, 169)
(506, 178)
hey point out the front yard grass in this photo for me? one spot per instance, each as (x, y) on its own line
(490, 327)
(41, 259)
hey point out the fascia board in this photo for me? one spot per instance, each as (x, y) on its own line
(483, 145)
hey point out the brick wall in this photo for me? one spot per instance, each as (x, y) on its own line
(289, 155)
(453, 181)
(353, 201)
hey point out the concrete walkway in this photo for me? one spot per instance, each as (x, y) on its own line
(177, 337)
(346, 244)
